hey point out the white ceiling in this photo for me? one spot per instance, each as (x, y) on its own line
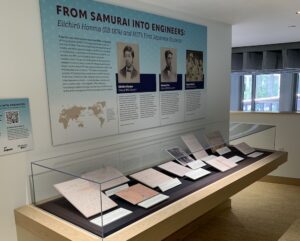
(254, 22)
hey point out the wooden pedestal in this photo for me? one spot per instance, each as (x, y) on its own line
(34, 224)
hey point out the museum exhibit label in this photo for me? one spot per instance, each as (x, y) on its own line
(112, 70)
(15, 126)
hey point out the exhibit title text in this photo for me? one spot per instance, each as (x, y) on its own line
(117, 20)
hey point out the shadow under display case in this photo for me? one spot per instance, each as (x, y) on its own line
(103, 192)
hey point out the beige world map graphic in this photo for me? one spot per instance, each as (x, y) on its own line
(75, 113)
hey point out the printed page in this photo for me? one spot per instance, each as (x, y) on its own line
(194, 146)
(175, 168)
(85, 196)
(136, 194)
(151, 177)
(108, 177)
(244, 148)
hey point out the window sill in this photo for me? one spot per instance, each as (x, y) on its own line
(268, 113)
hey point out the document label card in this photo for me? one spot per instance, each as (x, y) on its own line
(255, 154)
(111, 217)
(152, 201)
(236, 159)
(223, 150)
(169, 184)
(15, 126)
(196, 174)
(196, 164)
(113, 191)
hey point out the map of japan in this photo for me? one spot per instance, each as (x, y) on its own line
(76, 114)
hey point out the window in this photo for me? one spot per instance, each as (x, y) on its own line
(261, 92)
(267, 92)
(247, 93)
(298, 93)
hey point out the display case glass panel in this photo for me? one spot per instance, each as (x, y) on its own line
(105, 190)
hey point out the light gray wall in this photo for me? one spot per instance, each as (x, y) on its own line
(235, 92)
(286, 137)
(287, 91)
(23, 75)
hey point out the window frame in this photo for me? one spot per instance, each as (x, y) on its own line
(296, 85)
(242, 91)
(287, 100)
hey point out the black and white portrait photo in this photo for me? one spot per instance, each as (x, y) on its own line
(168, 63)
(128, 63)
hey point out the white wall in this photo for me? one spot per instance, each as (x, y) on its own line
(286, 137)
(22, 74)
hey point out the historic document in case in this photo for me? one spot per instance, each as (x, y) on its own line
(151, 177)
(194, 146)
(85, 196)
(175, 168)
(205, 159)
(221, 163)
(226, 162)
(114, 190)
(244, 148)
(218, 165)
(181, 156)
(223, 150)
(196, 164)
(137, 193)
(108, 177)
(215, 140)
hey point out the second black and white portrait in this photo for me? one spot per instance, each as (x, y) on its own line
(194, 66)
(168, 63)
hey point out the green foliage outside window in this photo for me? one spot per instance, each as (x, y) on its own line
(267, 85)
(247, 87)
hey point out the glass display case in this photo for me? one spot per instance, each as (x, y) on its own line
(105, 190)
(258, 135)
